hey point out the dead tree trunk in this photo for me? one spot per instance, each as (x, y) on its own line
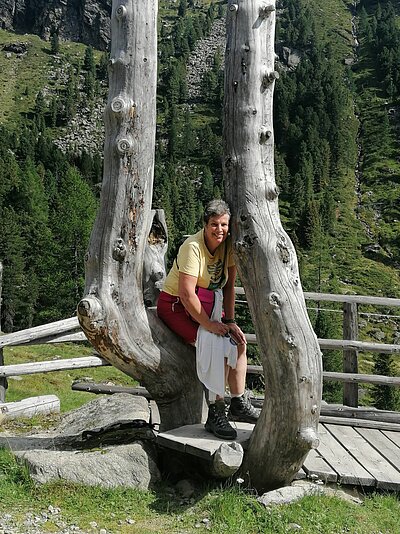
(267, 261)
(112, 314)
(3, 381)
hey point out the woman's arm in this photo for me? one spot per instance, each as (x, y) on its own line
(191, 302)
(229, 306)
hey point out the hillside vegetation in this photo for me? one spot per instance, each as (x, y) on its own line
(336, 120)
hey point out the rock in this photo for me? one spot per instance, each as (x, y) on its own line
(130, 466)
(378, 334)
(87, 21)
(185, 488)
(289, 494)
(115, 419)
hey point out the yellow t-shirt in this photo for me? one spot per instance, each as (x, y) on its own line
(195, 259)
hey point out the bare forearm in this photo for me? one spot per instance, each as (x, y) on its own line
(195, 309)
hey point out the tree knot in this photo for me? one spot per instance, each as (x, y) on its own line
(274, 299)
(119, 250)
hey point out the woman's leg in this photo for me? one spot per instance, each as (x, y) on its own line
(240, 408)
(236, 378)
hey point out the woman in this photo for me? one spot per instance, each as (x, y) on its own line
(205, 265)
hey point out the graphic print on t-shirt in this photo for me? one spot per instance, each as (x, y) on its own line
(216, 274)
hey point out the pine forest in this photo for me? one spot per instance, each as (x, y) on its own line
(337, 157)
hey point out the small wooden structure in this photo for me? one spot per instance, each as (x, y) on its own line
(367, 455)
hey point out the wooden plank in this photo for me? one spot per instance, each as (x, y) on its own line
(360, 413)
(387, 477)
(350, 356)
(385, 446)
(44, 404)
(349, 471)
(332, 297)
(341, 344)
(393, 436)
(379, 425)
(3, 380)
(314, 464)
(360, 378)
(356, 299)
(39, 332)
(343, 377)
(49, 366)
(195, 440)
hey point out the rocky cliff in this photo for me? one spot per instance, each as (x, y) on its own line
(86, 21)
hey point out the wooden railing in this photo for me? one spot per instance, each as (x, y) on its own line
(69, 330)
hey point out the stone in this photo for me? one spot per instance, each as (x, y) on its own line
(289, 494)
(115, 419)
(87, 22)
(131, 466)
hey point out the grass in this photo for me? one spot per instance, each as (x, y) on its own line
(215, 509)
(58, 382)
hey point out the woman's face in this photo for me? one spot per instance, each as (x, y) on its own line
(216, 231)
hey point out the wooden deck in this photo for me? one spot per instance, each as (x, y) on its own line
(356, 456)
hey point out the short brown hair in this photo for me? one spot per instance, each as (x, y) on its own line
(216, 208)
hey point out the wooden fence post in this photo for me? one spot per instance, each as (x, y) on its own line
(350, 356)
(3, 381)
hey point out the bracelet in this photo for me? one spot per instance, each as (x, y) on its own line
(228, 321)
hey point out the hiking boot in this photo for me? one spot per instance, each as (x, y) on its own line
(241, 409)
(217, 423)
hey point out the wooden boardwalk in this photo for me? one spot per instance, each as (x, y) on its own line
(357, 456)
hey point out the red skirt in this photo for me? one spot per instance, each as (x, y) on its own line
(173, 313)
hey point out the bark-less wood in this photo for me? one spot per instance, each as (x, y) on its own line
(267, 263)
(112, 314)
(44, 404)
(3, 381)
(350, 356)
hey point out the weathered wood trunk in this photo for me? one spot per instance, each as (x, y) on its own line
(3, 381)
(112, 314)
(267, 262)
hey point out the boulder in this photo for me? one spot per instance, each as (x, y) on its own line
(116, 419)
(130, 466)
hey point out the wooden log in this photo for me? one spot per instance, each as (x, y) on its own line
(266, 258)
(364, 379)
(227, 459)
(3, 381)
(101, 389)
(39, 332)
(348, 412)
(350, 356)
(112, 313)
(42, 405)
(363, 423)
(154, 271)
(50, 366)
(332, 297)
(341, 344)
(343, 377)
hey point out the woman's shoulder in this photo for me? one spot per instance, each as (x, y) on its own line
(192, 242)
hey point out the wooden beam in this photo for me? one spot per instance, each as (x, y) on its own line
(49, 366)
(350, 356)
(364, 423)
(332, 297)
(342, 344)
(343, 377)
(37, 333)
(364, 379)
(29, 407)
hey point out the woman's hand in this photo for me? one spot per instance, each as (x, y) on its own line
(237, 333)
(216, 327)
